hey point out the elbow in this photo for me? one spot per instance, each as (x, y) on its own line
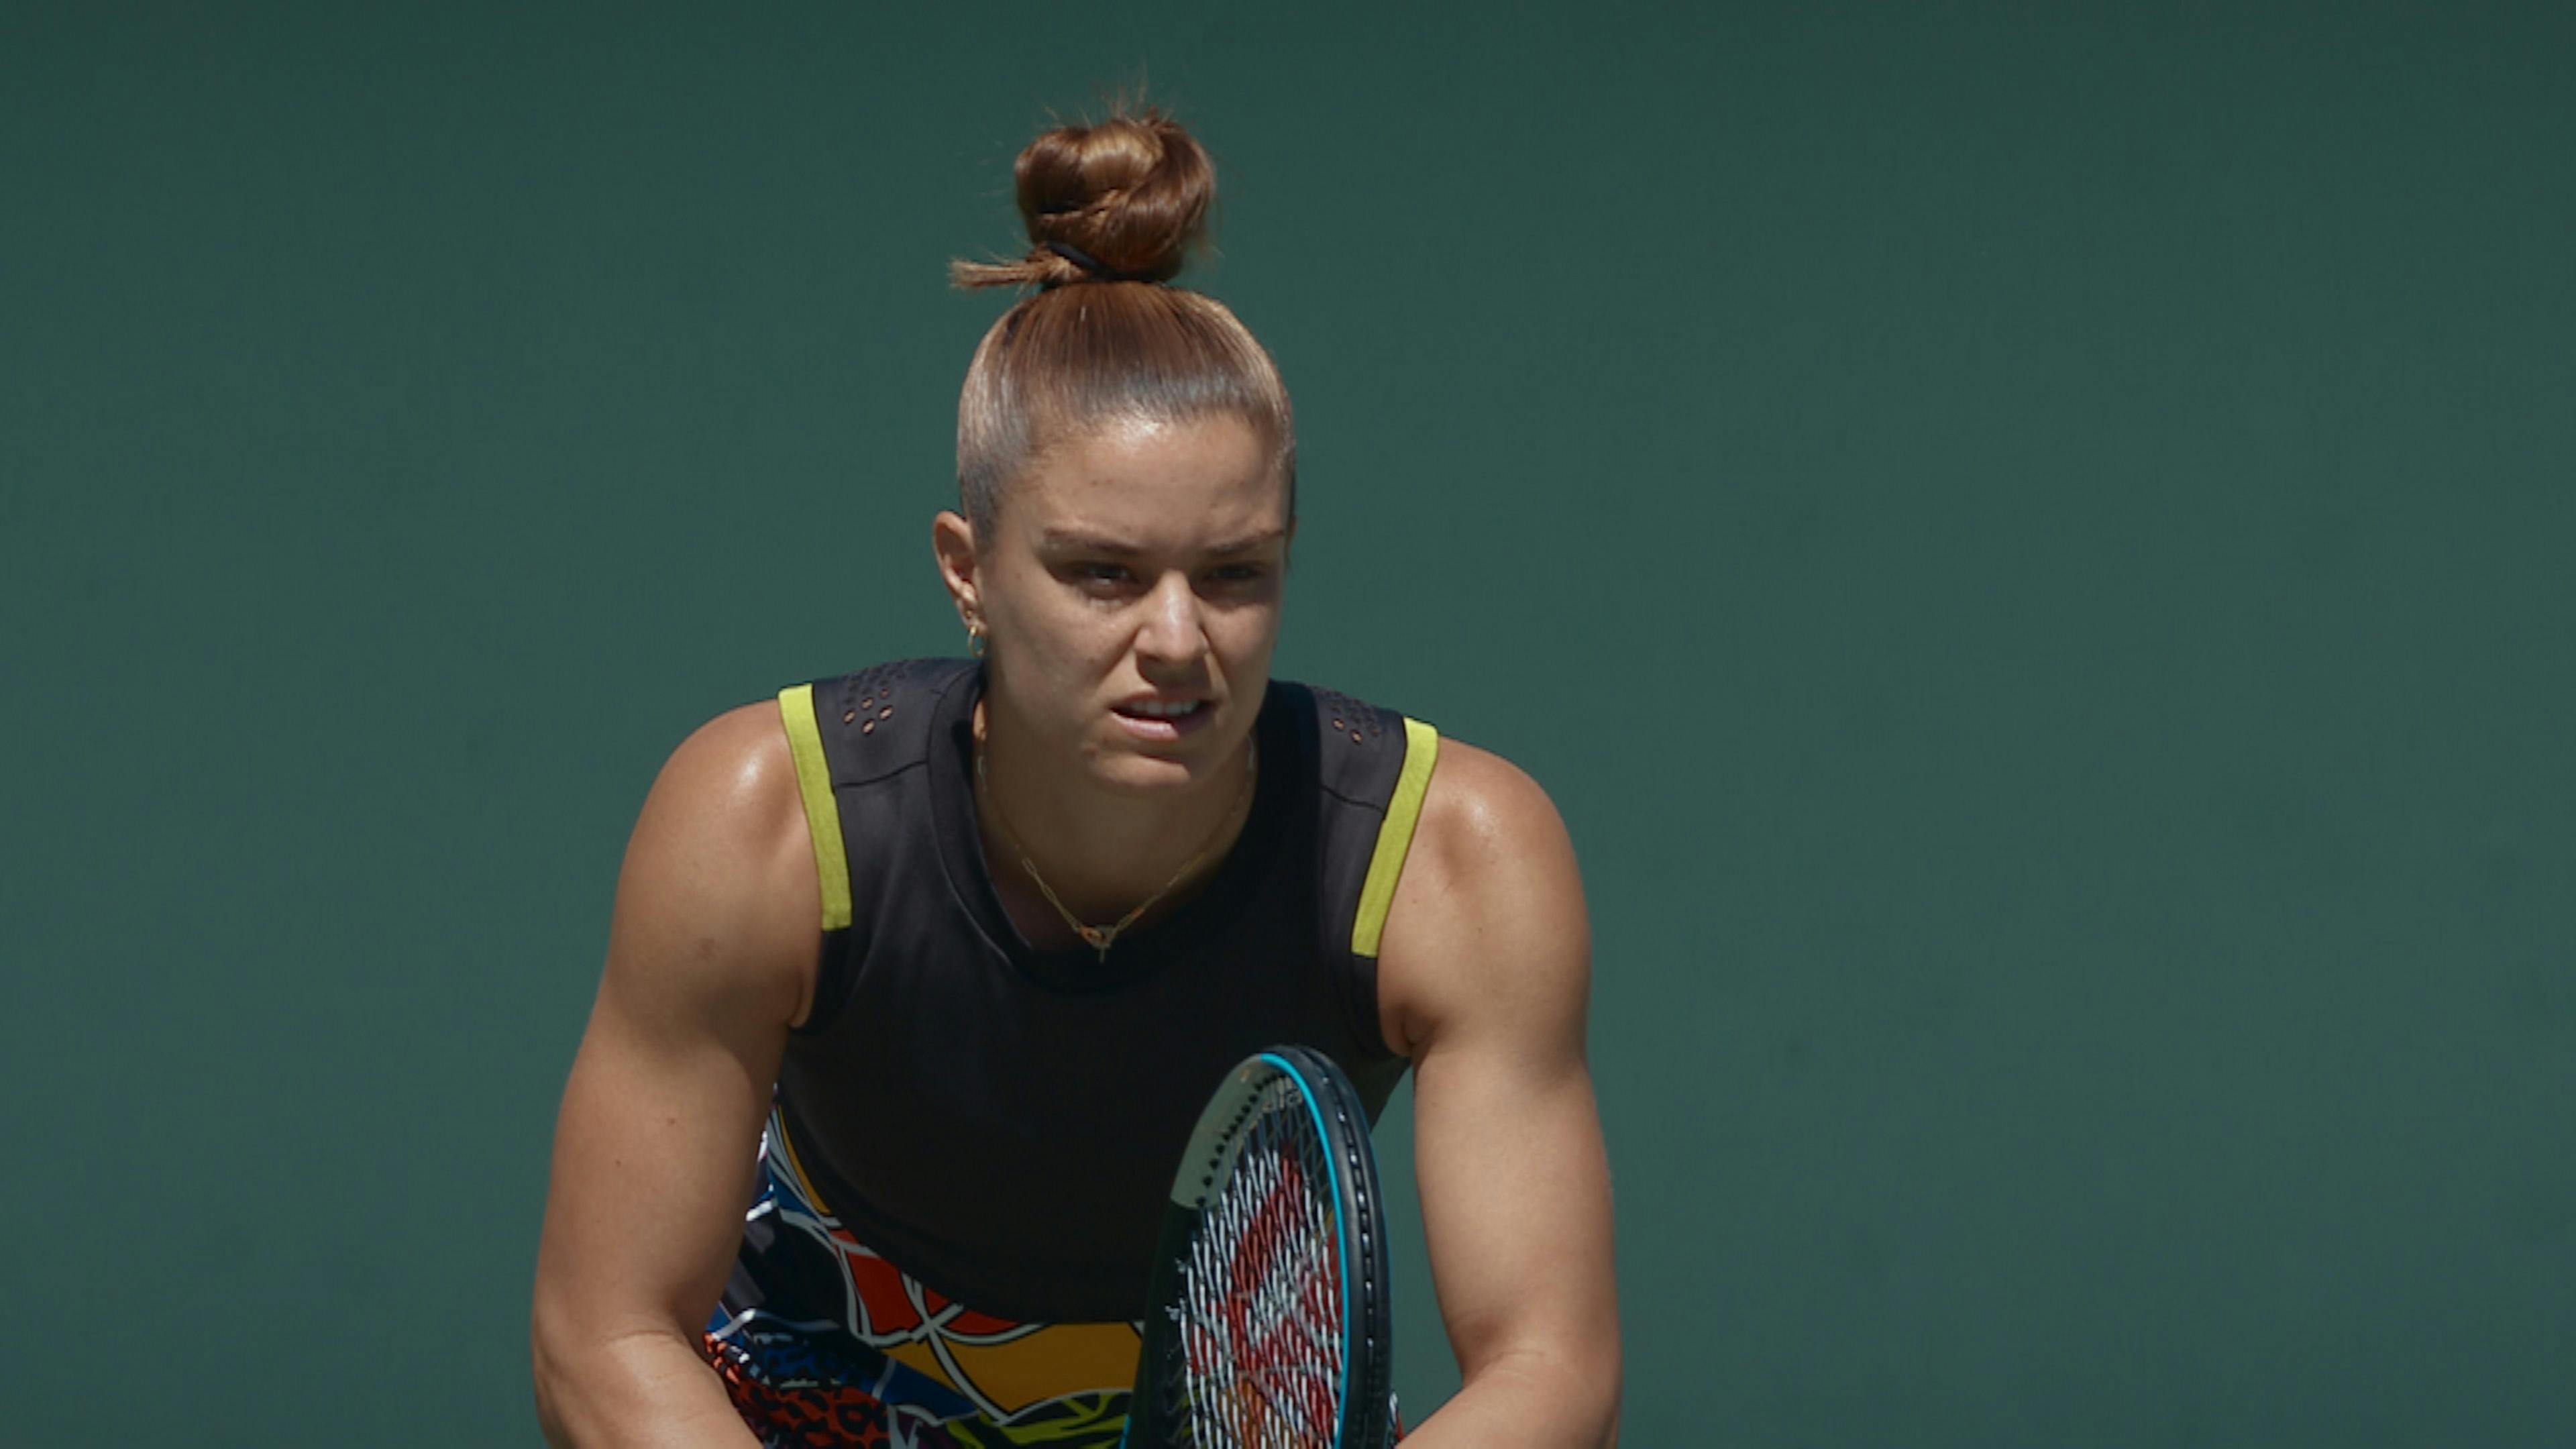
(580, 1377)
(1592, 1417)
(1602, 1424)
(549, 1365)
(1573, 1390)
(619, 1386)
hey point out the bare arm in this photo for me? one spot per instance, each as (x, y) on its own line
(710, 959)
(1484, 973)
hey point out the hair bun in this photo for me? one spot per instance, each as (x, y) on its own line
(1121, 201)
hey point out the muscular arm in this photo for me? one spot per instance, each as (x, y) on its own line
(710, 957)
(1483, 974)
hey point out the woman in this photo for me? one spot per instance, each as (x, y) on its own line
(952, 950)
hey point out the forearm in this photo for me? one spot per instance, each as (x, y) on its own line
(646, 1390)
(1527, 1401)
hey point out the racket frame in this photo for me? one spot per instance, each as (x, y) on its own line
(1341, 1125)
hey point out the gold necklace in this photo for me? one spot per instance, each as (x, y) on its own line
(1100, 938)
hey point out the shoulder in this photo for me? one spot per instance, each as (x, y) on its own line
(1488, 920)
(718, 897)
(731, 782)
(1482, 812)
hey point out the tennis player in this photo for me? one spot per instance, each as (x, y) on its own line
(918, 977)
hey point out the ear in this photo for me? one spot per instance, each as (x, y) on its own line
(952, 543)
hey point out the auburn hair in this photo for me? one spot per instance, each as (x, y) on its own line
(1111, 211)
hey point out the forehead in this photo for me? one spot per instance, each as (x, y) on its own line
(1152, 481)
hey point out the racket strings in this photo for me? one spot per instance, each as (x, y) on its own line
(1261, 1314)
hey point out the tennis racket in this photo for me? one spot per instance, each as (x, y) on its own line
(1268, 1320)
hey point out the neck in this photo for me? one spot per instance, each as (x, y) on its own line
(1102, 852)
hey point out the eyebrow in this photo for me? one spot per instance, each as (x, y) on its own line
(1069, 540)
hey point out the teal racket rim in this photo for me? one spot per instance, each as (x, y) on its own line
(1171, 1403)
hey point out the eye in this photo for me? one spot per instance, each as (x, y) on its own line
(1098, 576)
(1240, 573)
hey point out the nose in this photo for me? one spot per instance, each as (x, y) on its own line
(1170, 637)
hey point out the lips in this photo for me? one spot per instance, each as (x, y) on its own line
(1154, 718)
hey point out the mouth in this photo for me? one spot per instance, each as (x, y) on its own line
(1155, 718)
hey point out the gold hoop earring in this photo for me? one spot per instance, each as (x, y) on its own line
(976, 644)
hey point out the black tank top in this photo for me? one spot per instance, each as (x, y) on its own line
(1003, 1123)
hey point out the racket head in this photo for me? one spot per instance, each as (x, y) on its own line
(1268, 1322)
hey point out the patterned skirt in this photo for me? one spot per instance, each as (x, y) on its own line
(823, 1343)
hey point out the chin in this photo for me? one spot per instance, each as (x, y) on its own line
(1148, 767)
(1131, 772)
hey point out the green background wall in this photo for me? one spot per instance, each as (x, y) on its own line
(2032, 548)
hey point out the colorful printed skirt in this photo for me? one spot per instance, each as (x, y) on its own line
(822, 1343)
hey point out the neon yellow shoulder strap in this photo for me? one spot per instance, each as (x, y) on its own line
(822, 813)
(1395, 836)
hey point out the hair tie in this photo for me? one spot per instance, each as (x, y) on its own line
(1100, 271)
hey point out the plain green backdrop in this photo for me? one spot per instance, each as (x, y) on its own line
(2032, 545)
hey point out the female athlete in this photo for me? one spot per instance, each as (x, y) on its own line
(931, 965)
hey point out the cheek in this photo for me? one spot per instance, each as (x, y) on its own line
(1069, 634)
(1246, 635)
